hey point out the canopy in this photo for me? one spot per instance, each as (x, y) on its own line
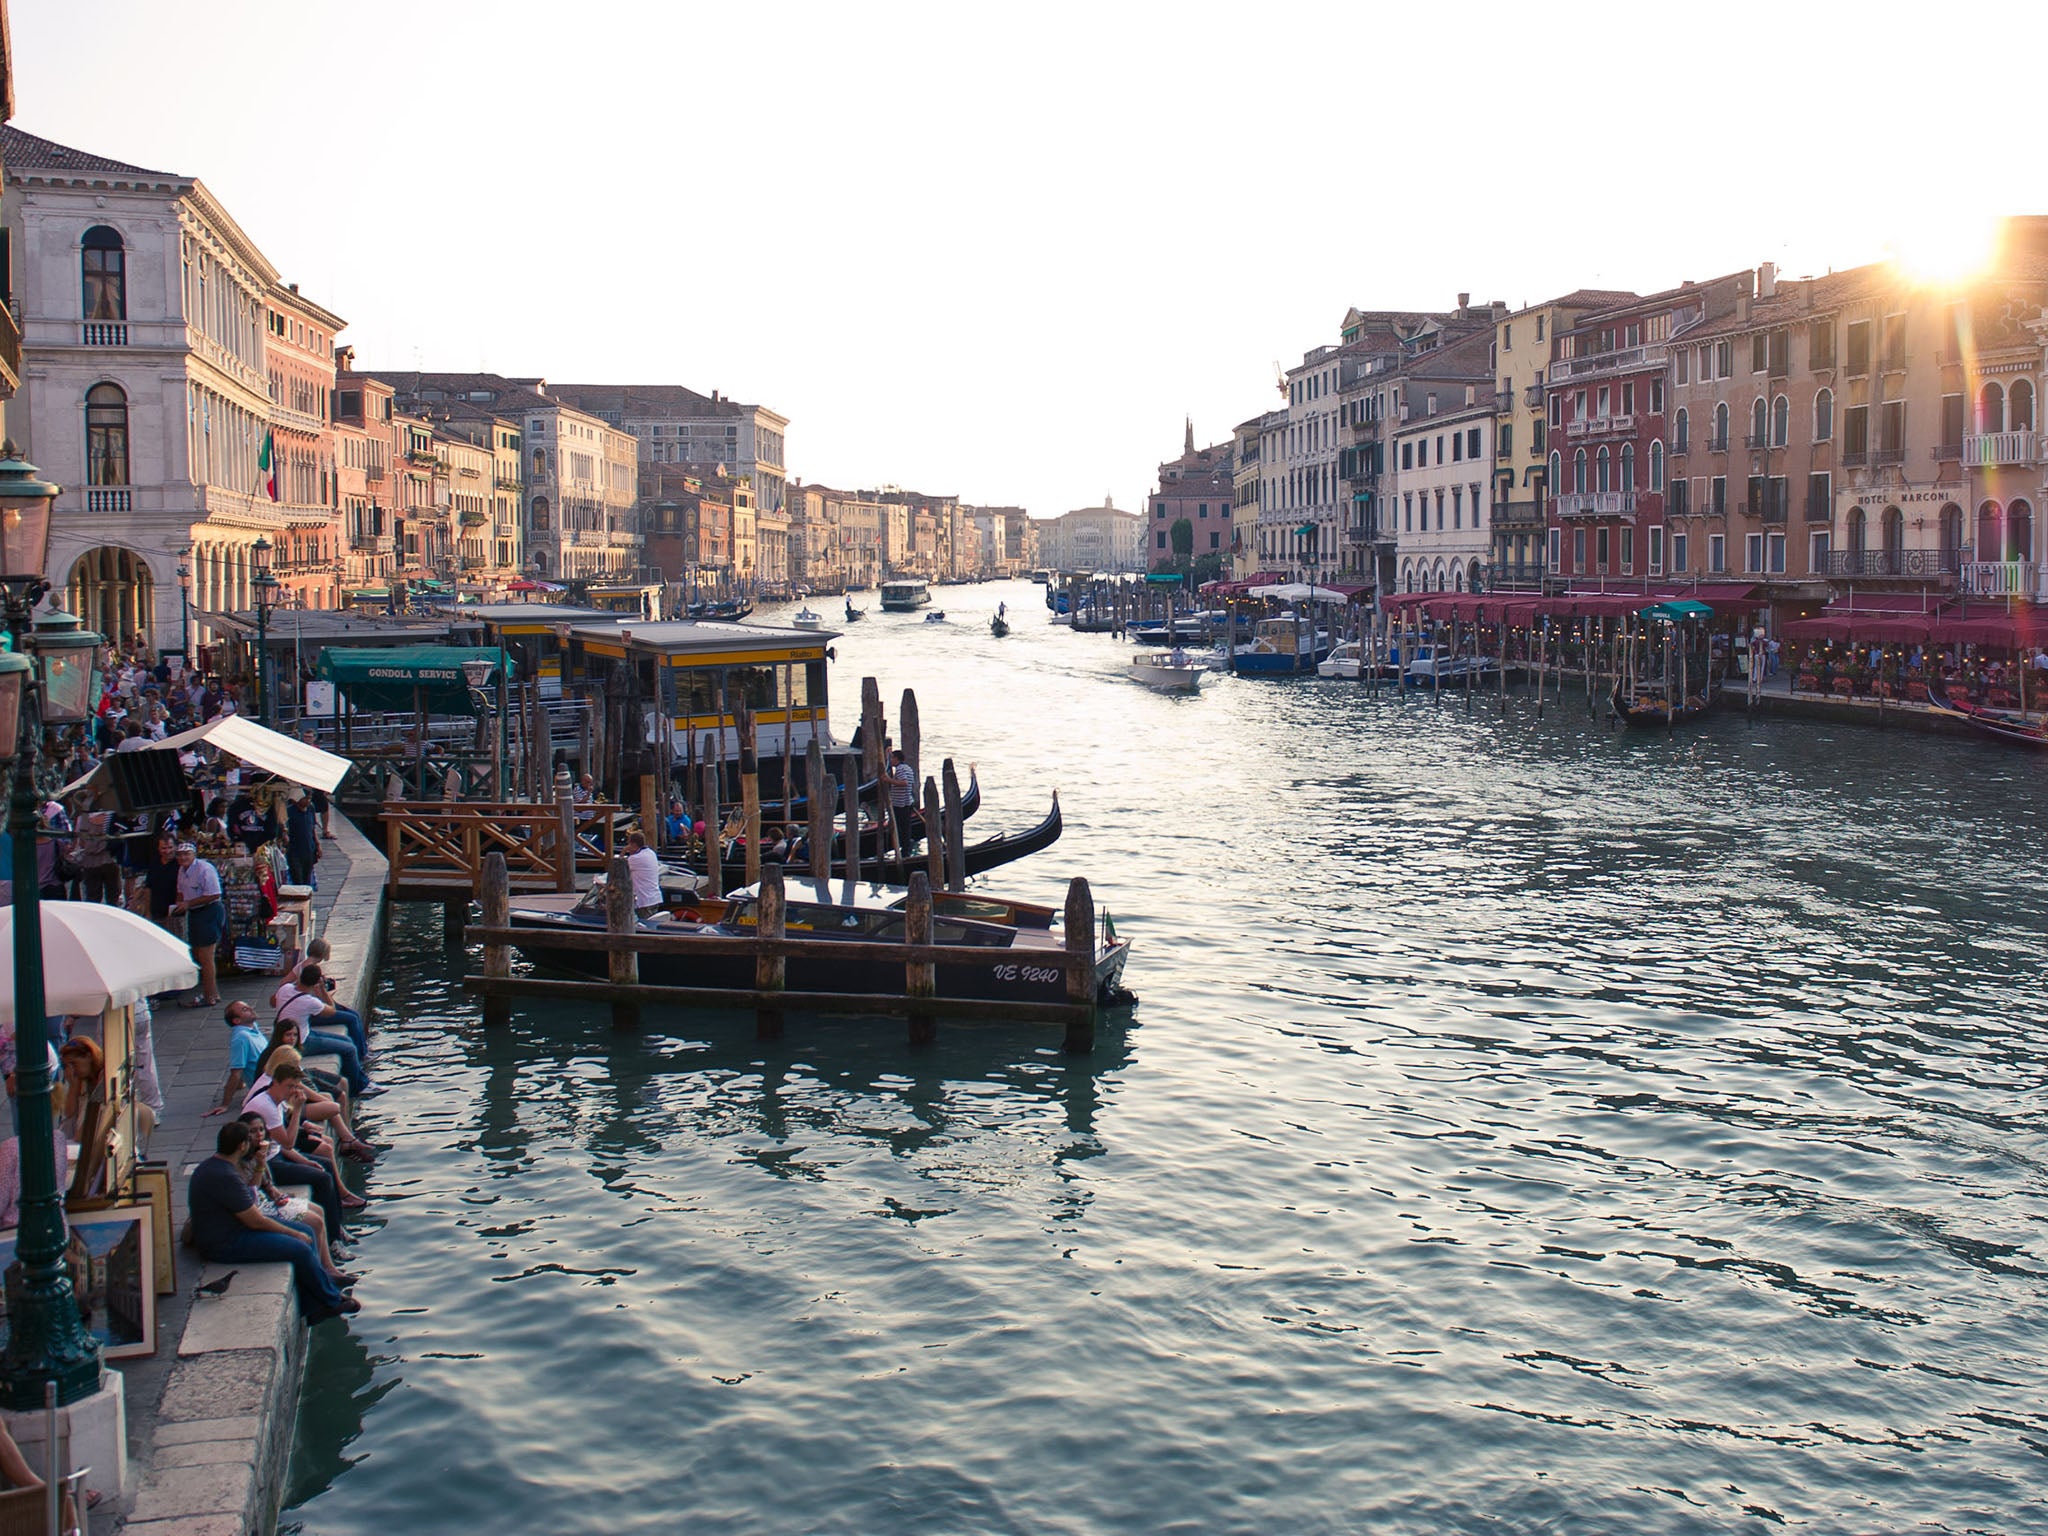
(285, 756)
(97, 957)
(1682, 608)
(1301, 592)
(409, 677)
(1165, 578)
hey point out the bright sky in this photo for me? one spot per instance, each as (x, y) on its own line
(1004, 254)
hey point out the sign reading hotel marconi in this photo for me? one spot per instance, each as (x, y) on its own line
(1901, 496)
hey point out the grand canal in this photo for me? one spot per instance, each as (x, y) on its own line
(1525, 1127)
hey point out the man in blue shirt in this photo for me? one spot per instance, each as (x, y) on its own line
(245, 1045)
(229, 1228)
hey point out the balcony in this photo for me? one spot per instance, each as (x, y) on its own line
(1855, 458)
(1888, 456)
(103, 333)
(1597, 504)
(1895, 564)
(108, 499)
(1757, 444)
(1717, 445)
(370, 543)
(1999, 578)
(506, 482)
(1627, 358)
(10, 349)
(374, 475)
(1599, 426)
(1518, 514)
(1532, 397)
(1982, 449)
(1948, 453)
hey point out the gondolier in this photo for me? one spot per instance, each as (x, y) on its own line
(902, 797)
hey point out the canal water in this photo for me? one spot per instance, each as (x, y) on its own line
(1525, 1127)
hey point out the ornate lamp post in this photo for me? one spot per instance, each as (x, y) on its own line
(47, 1341)
(185, 610)
(264, 587)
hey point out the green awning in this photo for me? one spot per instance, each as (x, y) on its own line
(1681, 608)
(1165, 578)
(407, 677)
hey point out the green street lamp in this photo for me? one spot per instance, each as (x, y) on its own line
(47, 678)
(265, 587)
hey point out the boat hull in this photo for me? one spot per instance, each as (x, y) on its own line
(1166, 679)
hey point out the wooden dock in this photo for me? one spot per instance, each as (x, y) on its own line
(771, 948)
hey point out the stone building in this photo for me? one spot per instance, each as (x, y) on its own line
(1091, 539)
(1198, 487)
(1444, 450)
(673, 425)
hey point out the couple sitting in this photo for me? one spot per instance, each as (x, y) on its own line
(238, 1216)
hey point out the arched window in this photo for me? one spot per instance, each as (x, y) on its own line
(1991, 409)
(1472, 576)
(1656, 466)
(540, 461)
(1407, 577)
(1628, 467)
(1457, 578)
(106, 435)
(1601, 466)
(1757, 423)
(1442, 578)
(1859, 532)
(2022, 402)
(1951, 536)
(540, 514)
(103, 267)
(1579, 470)
(1681, 435)
(1781, 421)
(1721, 427)
(1894, 539)
(1988, 541)
(1556, 472)
(1824, 416)
(2019, 531)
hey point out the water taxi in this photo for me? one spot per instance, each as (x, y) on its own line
(1165, 674)
(1282, 648)
(805, 619)
(905, 596)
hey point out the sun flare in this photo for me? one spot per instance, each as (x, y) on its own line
(1947, 250)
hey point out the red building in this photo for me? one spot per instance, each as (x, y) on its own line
(1196, 486)
(1607, 392)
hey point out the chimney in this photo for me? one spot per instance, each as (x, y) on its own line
(1464, 301)
(1767, 280)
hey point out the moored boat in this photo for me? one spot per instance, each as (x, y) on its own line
(2007, 725)
(1282, 648)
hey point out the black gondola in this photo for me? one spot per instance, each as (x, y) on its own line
(2002, 724)
(799, 809)
(999, 626)
(1647, 711)
(990, 853)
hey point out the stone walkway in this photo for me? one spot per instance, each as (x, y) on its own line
(211, 1414)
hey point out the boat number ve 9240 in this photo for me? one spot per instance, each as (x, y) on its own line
(1040, 973)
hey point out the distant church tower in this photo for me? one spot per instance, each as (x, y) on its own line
(1188, 446)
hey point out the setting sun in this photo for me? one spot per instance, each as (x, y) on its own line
(1946, 250)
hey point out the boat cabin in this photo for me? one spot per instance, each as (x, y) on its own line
(904, 595)
(1283, 637)
(639, 600)
(685, 679)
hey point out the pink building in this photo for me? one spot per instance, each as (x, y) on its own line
(1197, 486)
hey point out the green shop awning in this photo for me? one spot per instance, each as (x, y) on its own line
(1165, 578)
(408, 677)
(1682, 608)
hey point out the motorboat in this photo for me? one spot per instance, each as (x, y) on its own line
(1282, 648)
(905, 596)
(1166, 673)
(1026, 950)
(937, 616)
(1433, 669)
(805, 619)
(1345, 662)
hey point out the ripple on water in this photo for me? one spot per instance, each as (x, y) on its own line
(1526, 1128)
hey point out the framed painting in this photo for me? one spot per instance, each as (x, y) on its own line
(153, 1184)
(113, 1274)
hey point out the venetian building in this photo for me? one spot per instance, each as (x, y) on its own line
(145, 386)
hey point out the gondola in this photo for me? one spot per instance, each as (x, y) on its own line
(799, 809)
(1652, 711)
(999, 626)
(2003, 724)
(854, 615)
(990, 853)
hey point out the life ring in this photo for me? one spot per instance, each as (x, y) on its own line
(687, 915)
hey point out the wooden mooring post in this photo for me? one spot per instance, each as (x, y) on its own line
(714, 858)
(769, 964)
(956, 825)
(1080, 926)
(934, 835)
(621, 921)
(495, 889)
(750, 787)
(850, 791)
(565, 833)
(920, 977)
(820, 836)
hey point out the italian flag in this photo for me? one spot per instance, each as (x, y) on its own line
(266, 462)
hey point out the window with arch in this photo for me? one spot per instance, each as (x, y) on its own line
(1991, 409)
(1894, 536)
(106, 435)
(540, 461)
(2019, 531)
(1407, 578)
(1556, 472)
(1601, 468)
(1988, 541)
(2021, 402)
(1472, 576)
(1628, 467)
(1781, 421)
(1859, 531)
(540, 514)
(1579, 470)
(1441, 577)
(103, 270)
(1721, 427)
(1758, 423)
(1457, 578)
(1656, 466)
(1681, 432)
(1824, 416)
(1951, 536)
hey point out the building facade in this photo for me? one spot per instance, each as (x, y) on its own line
(1445, 490)
(1091, 539)
(1198, 488)
(673, 425)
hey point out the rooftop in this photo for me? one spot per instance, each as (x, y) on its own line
(24, 152)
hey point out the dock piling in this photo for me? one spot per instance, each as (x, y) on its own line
(621, 921)
(934, 834)
(494, 887)
(714, 854)
(956, 827)
(1080, 925)
(769, 964)
(750, 786)
(565, 832)
(820, 808)
(920, 977)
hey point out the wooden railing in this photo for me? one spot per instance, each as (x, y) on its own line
(439, 847)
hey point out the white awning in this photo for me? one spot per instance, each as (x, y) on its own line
(257, 745)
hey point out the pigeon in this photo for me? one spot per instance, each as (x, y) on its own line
(217, 1287)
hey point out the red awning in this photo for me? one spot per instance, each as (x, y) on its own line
(1887, 618)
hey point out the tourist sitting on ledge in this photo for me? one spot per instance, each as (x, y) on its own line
(296, 1209)
(229, 1228)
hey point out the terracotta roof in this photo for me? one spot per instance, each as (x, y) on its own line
(24, 151)
(1590, 298)
(653, 399)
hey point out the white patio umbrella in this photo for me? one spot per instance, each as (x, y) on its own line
(96, 957)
